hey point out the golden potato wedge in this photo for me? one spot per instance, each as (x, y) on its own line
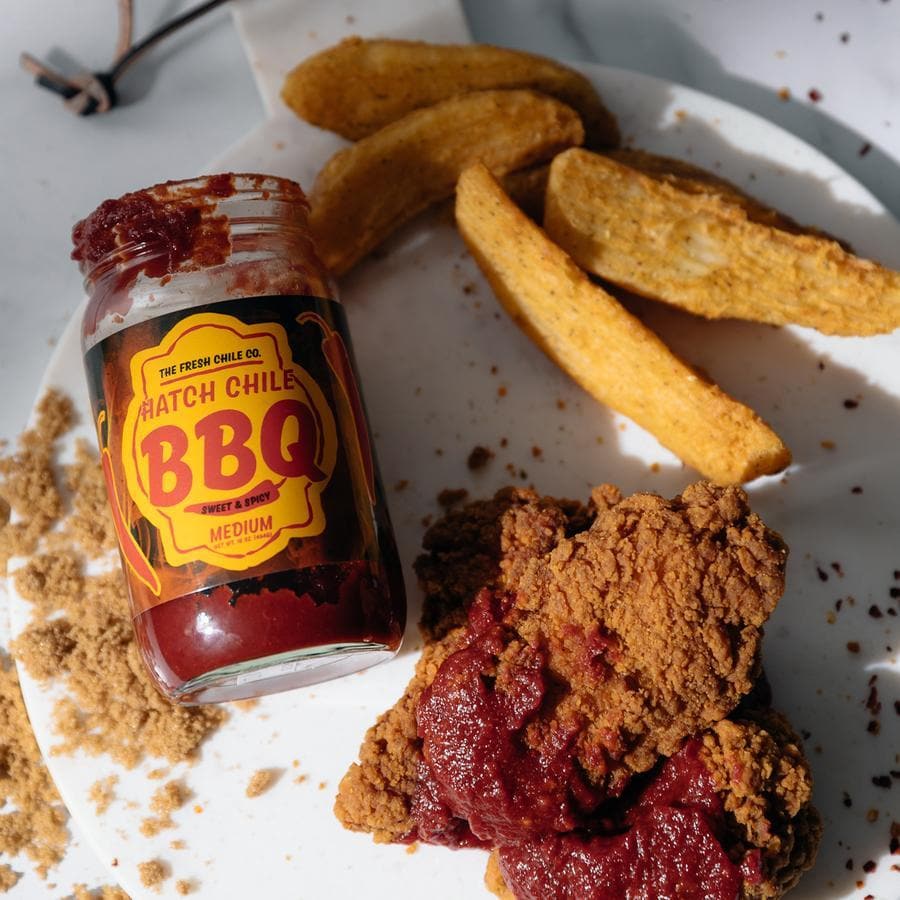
(695, 180)
(603, 347)
(365, 192)
(708, 254)
(359, 86)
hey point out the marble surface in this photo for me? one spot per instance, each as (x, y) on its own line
(826, 70)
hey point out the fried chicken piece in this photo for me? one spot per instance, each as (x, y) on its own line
(648, 621)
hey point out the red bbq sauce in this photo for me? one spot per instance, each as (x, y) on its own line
(251, 520)
(558, 838)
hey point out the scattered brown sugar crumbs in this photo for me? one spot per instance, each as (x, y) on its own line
(184, 887)
(8, 878)
(157, 774)
(479, 457)
(178, 844)
(166, 800)
(260, 781)
(784, 94)
(34, 820)
(102, 793)
(413, 848)
(451, 497)
(153, 873)
(323, 785)
(246, 705)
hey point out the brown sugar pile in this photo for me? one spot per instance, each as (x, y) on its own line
(79, 636)
(80, 631)
(32, 817)
(600, 642)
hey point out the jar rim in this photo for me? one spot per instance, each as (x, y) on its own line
(174, 219)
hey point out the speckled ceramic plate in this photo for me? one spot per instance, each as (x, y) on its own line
(443, 370)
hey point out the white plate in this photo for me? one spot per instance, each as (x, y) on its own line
(428, 335)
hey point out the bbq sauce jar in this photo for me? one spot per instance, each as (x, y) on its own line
(251, 520)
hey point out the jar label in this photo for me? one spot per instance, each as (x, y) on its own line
(227, 442)
(222, 428)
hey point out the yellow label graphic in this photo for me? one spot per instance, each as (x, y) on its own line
(227, 444)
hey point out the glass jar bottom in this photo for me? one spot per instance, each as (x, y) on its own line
(281, 672)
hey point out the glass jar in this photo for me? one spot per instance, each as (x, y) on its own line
(251, 519)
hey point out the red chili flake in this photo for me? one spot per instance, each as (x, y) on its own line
(875, 612)
(501, 391)
(847, 802)
(536, 452)
(897, 707)
(426, 521)
(848, 865)
(851, 404)
(401, 485)
(821, 365)
(815, 95)
(894, 592)
(853, 646)
(494, 370)
(479, 457)
(504, 442)
(869, 866)
(896, 574)
(882, 781)
(865, 149)
(823, 575)
(837, 568)
(874, 727)
(838, 604)
(856, 489)
(891, 611)
(560, 404)
(872, 702)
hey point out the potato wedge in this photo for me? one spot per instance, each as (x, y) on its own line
(708, 254)
(365, 192)
(359, 86)
(695, 180)
(603, 347)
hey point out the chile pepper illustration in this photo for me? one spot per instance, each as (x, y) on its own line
(338, 357)
(131, 549)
